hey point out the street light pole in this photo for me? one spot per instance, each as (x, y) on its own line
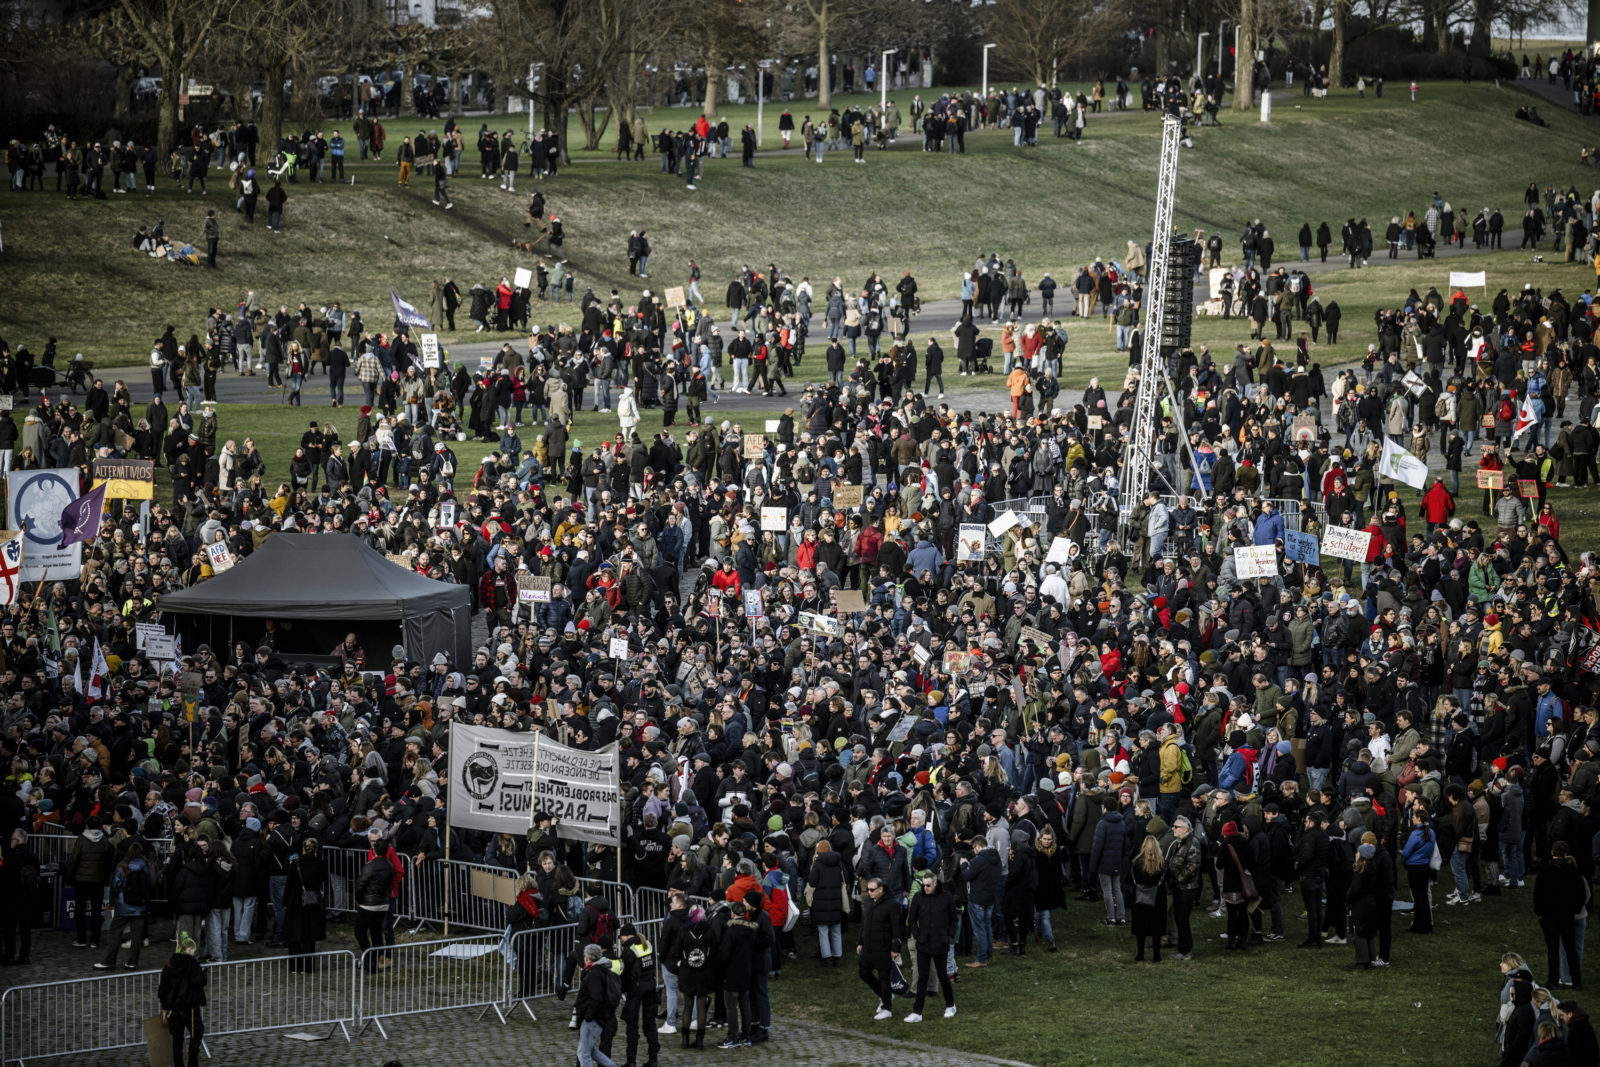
(761, 94)
(1220, 25)
(1200, 55)
(986, 70)
(883, 82)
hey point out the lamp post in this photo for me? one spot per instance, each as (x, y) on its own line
(1220, 25)
(883, 81)
(986, 70)
(761, 93)
(535, 72)
(1200, 54)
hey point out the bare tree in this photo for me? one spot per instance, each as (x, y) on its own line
(1044, 36)
(175, 32)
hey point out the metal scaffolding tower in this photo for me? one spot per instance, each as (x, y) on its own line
(1140, 458)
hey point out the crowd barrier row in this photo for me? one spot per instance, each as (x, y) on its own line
(342, 991)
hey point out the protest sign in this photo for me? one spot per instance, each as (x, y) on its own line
(755, 446)
(821, 624)
(221, 558)
(1255, 561)
(161, 647)
(126, 479)
(1041, 640)
(533, 589)
(1488, 479)
(753, 606)
(522, 278)
(500, 779)
(34, 503)
(999, 526)
(1060, 551)
(847, 496)
(1342, 542)
(674, 297)
(618, 648)
(921, 655)
(770, 425)
(1303, 428)
(1527, 488)
(1095, 422)
(429, 345)
(849, 601)
(901, 728)
(969, 543)
(143, 632)
(1301, 547)
(447, 514)
(775, 519)
(955, 662)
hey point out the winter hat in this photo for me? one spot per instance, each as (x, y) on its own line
(1366, 852)
(253, 824)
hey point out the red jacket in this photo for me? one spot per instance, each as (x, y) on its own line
(726, 581)
(1437, 504)
(867, 545)
(1376, 545)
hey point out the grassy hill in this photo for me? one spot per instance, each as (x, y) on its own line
(76, 277)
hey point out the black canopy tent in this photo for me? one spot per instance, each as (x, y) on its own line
(318, 587)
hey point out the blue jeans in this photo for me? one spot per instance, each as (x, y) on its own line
(1458, 868)
(828, 940)
(761, 1003)
(217, 932)
(980, 916)
(669, 982)
(1566, 971)
(1041, 923)
(1513, 863)
(589, 1052)
(244, 918)
(602, 393)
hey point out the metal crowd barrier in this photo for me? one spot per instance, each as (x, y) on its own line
(428, 976)
(474, 896)
(244, 996)
(653, 905)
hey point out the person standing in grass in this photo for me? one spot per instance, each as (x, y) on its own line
(934, 921)
(213, 238)
(1149, 898)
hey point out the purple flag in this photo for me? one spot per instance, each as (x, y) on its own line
(406, 314)
(80, 520)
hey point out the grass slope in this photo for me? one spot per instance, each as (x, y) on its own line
(1090, 1003)
(76, 277)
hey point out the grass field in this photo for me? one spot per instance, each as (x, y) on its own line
(78, 279)
(1090, 1003)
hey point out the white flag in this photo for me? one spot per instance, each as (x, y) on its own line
(1526, 416)
(1402, 466)
(99, 669)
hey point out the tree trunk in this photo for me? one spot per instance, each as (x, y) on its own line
(408, 77)
(592, 130)
(714, 73)
(123, 103)
(1244, 64)
(168, 125)
(1592, 35)
(272, 109)
(824, 68)
(1336, 52)
(555, 121)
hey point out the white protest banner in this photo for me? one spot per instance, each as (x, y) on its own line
(429, 345)
(1301, 547)
(969, 543)
(221, 558)
(1402, 466)
(143, 632)
(1414, 383)
(447, 514)
(1255, 561)
(618, 648)
(500, 779)
(162, 647)
(771, 425)
(1460, 279)
(775, 519)
(523, 278)
(821, 624)
(1342, 542)
(999, 526)
(1060, 551)
(34, 502)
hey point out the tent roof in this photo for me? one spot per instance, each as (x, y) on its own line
(316, 576)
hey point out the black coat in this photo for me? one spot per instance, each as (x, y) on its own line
(828, 888)
(882, 932)
(305, 923)
(934, 921)
(191, 890)
(736, 954)
(695, 959)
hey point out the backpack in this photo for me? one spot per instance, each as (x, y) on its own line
(136, 888)
(1185, 765)
(613, 985)
(696, 958)
(605, 923)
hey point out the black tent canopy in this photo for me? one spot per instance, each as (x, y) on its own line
(321, 584)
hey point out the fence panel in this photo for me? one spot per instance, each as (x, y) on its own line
(276, 992)
(431, 976)
(474, 896)
(87, 1015)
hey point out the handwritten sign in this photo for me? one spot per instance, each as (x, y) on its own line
(1040, 639)
(1488, 479)
(955, 662)
(1096, 422)
(775, 519)
(847, 496)
(1301, 547)
(849, 601)
(1527, 488)
(533, 589)
(1342, 542)
(1255, 561)
(675, 297)
(1303, 428)
(221, 558)
(755, 446)
(618, 648)
(429, 344)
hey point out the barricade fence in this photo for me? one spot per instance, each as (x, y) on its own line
(421, 977)
(243, 996)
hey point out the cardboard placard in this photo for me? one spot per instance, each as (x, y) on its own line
(774, 519)
(533, 589)
(674, 297)
(847, 496)
(1488, 479)
(523, 278)
(487, 885)
(428, 345)
(771, 425)
(1060, 551)
(1096, 422)
(221, 558)
(1041, 640)
(1414, 383)
(970, 540)
(400, 559)
(1303, 428)
(1342, 542)
(126, 479)
(901, 729)
(1301, 547)
(618, 648)
(1487, 421)
(1527, 488)
(7, 401)
(755, 446)
(849, 600)
(999, 526)
(954, 662)
(921, 655)
(1256, 561)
